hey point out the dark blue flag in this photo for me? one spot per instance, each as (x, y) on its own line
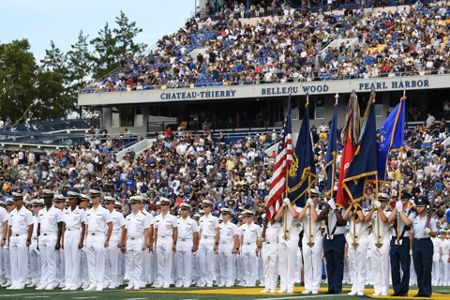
(330, 159)
(364, 163)
(302, 172)
(392, 134)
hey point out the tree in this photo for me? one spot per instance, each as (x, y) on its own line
(105, 52)
(113, 46)
(54, 60)
(17, 80)
(125, 35)
(79, 66)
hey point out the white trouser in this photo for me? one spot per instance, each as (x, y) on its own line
(357, 263)
(444, 270)
(60, 267)
(134, 261)
(288, 261)
(18, 253)
(269, 254)
(226, 265)
(34, 259)
(84, 267)
(95, 252)
(7, 262)
(206, 259)
(195, 267)
(380, 266)
(152, 266)
(249, 263)
(164, 256)
(2, 264)
(48, 258)
(436, 269)
(145, 273)
(112, 261)
(183, 259)
(312, 262)
(72, 258)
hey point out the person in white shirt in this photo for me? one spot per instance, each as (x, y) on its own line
(209, 232)
(435, 269)
(166, 232)
(34, 256)
(85, 200)
(312, 243)
(288, 244)
(379, 244)
(99, 229)
(74, 233)
(148, 257)
(112, 261)
(443, 258)
(227, 249)
(49, 234)
(250, 248)
(60, 202)
(269, 253)
(187, 243)
(4, 219)
(358, 241)
(133, 242)
(9, 203)
(20, 232)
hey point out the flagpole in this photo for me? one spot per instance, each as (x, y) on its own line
(286, 194)
(400, 183)
(333, 170)
(378, 244)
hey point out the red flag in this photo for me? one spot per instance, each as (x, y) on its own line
(350, 136)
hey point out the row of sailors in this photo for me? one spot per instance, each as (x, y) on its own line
(93, 238)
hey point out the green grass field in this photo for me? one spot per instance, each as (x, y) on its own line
(196, 293)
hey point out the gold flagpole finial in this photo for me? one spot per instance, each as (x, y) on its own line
(307, 100)
(336, 98)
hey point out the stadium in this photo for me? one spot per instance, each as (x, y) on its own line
(277, 149)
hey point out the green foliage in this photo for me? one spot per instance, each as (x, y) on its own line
(50, 90)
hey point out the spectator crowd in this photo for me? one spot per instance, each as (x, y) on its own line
(295, 46)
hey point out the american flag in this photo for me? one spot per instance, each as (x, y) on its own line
(283, 160)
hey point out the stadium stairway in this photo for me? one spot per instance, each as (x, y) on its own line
(137, 148)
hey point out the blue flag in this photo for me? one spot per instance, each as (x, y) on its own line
(302, 172)
(330, 159)
(364, 163)
(392, 134)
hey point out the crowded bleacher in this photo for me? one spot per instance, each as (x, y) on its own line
(291, 46)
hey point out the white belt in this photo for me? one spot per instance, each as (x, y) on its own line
(207, 237)
(250, 243)
(18, 234)
(135, 238)
(96, 233)
(164, 236)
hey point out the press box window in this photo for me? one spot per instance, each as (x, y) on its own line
(319, 112)
(115, 117)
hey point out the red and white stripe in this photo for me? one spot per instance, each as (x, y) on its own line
(278, 182)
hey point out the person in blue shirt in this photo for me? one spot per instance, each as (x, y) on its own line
(423, 227)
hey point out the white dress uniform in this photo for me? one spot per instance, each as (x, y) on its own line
(436, 272)
(97, 220)
(358, 241)
(228, 231)
(73, 220)
(186, 229)
(269, 254)
(287, 255)
(48, 220)
(135, 224)
(4, 219)
(206, 256)
(250, 235)
(379, 244)
(164, 225)
(19, 222)
(148, 264)
(445, 265)
(312, 251)
(34, 256)
(84, 263)
(113, 253)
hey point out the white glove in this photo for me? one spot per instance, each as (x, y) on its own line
(376, 204)
(286, 201)
(427, 231)
(399, 205)
(332, 204)
(309, 202)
